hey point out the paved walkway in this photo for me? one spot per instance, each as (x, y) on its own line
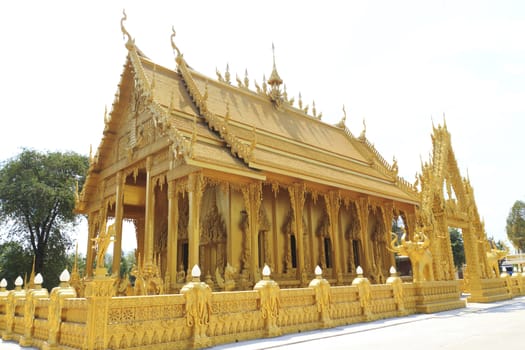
(478, 326)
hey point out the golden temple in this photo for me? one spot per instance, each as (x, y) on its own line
(288, 218)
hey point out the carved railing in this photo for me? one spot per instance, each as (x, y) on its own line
(41, 326)
(199, 318)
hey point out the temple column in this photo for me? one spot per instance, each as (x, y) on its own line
(363, 211)
(139, 230)
(92, 226)
(471, 253)
(276, 257)
(173, 233)
(252, 196)
(387, 211)
(195, 190)
(297, 199)
(149, 214)
(333, 203)
(119, 215)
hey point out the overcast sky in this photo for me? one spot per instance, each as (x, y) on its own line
(399, 65)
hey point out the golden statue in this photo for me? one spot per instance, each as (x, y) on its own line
(493, 256)
(419, 253)
(102, 241)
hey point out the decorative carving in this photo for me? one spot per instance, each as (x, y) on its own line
(213, 227)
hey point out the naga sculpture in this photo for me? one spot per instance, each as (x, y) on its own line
(419, 253)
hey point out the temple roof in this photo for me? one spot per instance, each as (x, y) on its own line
(257, 134)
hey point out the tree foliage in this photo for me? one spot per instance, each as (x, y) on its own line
(458, 249)
(15, 261)
(37, 198)
(516, 225)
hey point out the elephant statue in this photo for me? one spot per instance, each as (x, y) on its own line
(493, 256)
(419, 253)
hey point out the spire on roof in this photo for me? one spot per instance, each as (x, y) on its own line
(275, 82)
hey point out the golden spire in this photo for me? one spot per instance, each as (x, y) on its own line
(274, 80)
(227, 75)
(32, 275)
(246, 79)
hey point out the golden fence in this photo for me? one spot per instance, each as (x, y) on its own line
(198, 317)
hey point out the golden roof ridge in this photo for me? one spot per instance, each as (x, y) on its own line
(238, 147)
(378, 162)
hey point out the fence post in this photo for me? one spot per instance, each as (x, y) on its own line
(323, 297)
(13, 295)
(98, 293)
(3, 304)
(54, 315)
(270, 303)
(197, 295)
(365, 293)
(397, 290)
(32, 297)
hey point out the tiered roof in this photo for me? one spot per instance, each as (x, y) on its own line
(211, 123)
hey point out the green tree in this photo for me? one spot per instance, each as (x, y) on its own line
(15, 261)
(37, 198)
(516, 225)
(458, 249)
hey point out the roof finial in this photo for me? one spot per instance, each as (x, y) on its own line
(125, 33)
(227, 75)
(173, 46)
(274, 80)
(341, 123)
(246, 80)
(363, 133)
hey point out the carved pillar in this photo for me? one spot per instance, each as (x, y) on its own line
(139, 229)
(388, 258)
(333, 203)
(195, 190)
(363, 211)
(92, 219)
(149, 215)
(410, 223)
(297, 198)
(99, 292)
(471, 253)
(173, 232)
(119, 213)
(252, 195)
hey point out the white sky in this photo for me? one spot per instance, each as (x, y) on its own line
(397, 64)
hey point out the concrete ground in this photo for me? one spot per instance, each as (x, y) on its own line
(478, 326)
